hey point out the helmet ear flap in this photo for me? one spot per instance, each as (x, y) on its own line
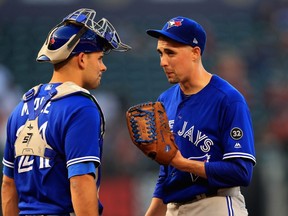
(55, 56)
(46, 54)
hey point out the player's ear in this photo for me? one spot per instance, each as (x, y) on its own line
(81, 60)
(196, 52)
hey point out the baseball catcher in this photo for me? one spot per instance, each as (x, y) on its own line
(150, 132)
(55, 135)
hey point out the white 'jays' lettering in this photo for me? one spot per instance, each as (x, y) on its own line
(189, 133)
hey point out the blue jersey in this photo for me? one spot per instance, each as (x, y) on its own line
(72, 126)
(212, 125)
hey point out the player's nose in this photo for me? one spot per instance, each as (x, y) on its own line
(103, 67)
(163, 61)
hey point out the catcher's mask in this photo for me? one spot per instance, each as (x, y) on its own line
(78, 32)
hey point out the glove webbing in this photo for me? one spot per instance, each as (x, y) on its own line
(150, 122)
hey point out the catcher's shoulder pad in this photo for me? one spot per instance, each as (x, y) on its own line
(149, 130)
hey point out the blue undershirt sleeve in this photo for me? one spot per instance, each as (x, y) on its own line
(229, 173)
(82, 169)
(158, 191)
(8, 172)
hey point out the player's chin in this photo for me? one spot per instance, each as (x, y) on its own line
(172, 80)
(97, 84)
(93, 85)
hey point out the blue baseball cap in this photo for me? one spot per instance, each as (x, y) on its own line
(182, 30)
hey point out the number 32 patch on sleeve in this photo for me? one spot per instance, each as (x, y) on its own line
(236, 133)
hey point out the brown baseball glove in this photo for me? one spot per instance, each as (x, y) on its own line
(150, 132)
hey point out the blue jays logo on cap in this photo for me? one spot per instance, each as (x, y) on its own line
(174, 22)
(182, 30)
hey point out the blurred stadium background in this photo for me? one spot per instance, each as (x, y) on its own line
(247, 44)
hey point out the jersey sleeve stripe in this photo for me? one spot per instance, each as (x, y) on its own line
(83, 159)
(241, 155)
(8, 163)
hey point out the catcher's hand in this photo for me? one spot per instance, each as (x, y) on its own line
(150, 132)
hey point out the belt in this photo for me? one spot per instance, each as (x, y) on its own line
(196, 198)
(233, 191)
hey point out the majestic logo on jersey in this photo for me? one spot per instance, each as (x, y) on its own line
(174, 23)
(237, 145)
(236, 133)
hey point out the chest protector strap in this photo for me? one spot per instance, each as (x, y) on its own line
(30, 141)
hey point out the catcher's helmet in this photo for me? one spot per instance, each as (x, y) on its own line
(78, 32)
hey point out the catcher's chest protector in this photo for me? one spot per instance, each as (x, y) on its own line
(30, 141)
